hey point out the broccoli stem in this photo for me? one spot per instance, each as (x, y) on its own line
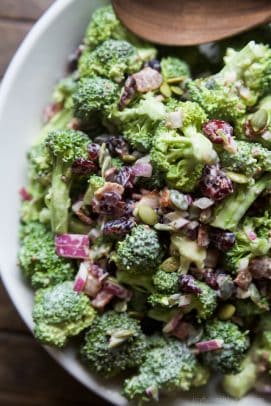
(58, 122)
(202, 147)
(59, 199)
(228, 214)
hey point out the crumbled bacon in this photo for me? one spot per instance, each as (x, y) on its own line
(203, 237)
(243, 279)
(260, 267)
(147, 79)
(214, 183)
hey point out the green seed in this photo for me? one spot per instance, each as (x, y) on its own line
(147, 214)
(226, 312)
(165, 90)
(176, 90)
(178, 79)
(259, 120)
(128, 158)
(170, 264)
(237, 177)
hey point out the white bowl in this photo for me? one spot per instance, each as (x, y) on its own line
(25, 90)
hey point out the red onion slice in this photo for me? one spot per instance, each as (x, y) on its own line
(113, 287)
(142, 169)
(72, 246)
(81, 277)
(25, 195)
(210, 345)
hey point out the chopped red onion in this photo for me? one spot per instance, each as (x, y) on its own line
(113, 287)
(264, 389)
(251, 235)
(72, 246)
(142, 169)
(153, 393)
(25, 195)
(210, 345)
(203, 203)
(81, 277)
(182, 330)
(102, 299)
(184, 300)
(147, 79)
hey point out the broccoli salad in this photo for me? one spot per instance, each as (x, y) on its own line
(146, 220)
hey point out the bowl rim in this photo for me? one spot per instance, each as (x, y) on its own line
(25, 48)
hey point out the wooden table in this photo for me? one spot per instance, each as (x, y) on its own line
(28, 376)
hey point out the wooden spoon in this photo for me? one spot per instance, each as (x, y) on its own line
(191, 22)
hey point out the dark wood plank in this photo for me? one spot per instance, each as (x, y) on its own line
(9, 318)
(11, 34)
(23, 9)
(28, 376)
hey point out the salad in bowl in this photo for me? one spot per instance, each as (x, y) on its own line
(145, 220)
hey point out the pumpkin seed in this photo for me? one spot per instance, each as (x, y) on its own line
(177, 79)
(176, 90)
(165, 90)
(147, 214)
(259, 120)
(226, 312)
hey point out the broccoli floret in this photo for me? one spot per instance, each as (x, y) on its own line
(95, 182)
(139, 252)
(104, 24)
(231, 210)
(141, 282)
(205, 302)
(169, 367)
(235, 343)
(188, 251)
(182, 157)
(113, 344)
(238, 385)
(113, 59)
(250, 159)
(38, 260)
(246, 248)
(173, 67)
(220, 94)
(60, 313)
(166, 282)
(94, 98)
(138, 123)
(64, 147)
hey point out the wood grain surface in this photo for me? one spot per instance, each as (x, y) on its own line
(28, 375)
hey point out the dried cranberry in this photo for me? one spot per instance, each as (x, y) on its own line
(125, 177)
(118, 227)
(222, 240)
(83, 166)
(154, 64)
(210, 277)
(115, 144)
(188, 284)
(217, 131)
(128, 92)
(73, 58)
(93, 151)
(214, 183)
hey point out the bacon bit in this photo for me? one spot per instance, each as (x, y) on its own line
(210, 345)
(243, 279)
(78, 209)
(72, 246)
(128, 92)
(25, 195)
(93, 285)
(102, 299)
(212, 258)
(108, 188)
(51, 110)
(165, 200)
(172, 324)
(150, 199)
(147, 79)
(203, 238)
(260, 268)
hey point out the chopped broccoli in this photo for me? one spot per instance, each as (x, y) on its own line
(250, 159)
(238, 385)
(231, 210)
(189, 252)
(166, 282)
(140, 281)
(113, 59)
(182, 157)
(60, 313)
(235, 343)
(169, 367)
(139, 252)
(173, 67)
(221, 95)
(245, 248)
(94, 98)
(95, 182)
(205, 302)
(64, 147)
(38, 260)
(113, 344)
